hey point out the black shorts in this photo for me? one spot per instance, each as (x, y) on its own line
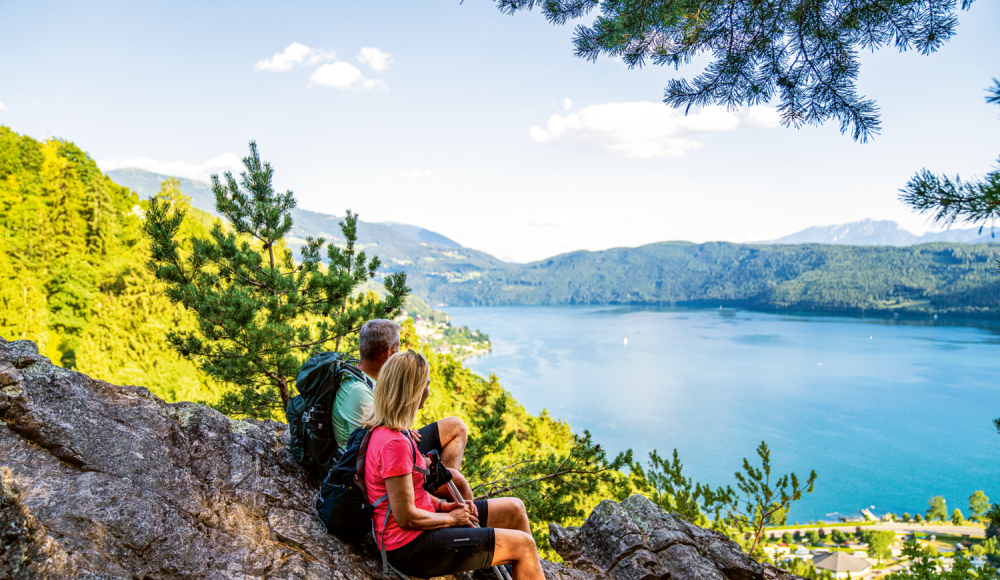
(430, 439)
(447, 551)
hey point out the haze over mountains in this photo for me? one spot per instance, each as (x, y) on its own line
(883, 233)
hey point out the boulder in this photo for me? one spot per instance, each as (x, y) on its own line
(637, 540)
(111, 482)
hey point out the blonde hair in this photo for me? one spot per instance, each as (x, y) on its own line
(399, 390)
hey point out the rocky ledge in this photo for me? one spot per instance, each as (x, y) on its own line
(110, 482)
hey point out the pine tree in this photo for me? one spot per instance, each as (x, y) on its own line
(260, 315)
(804, 52)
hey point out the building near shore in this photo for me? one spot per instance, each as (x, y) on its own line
(842, 564)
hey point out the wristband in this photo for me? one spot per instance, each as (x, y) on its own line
(437, 508)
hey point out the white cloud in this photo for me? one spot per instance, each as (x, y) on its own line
(296, 53)
(37, 103)
(3, 107)
(375, 58)
(646, 129)
(342, 75)
(417, 174)
(567, 104)
(558, 221)
(201, 171)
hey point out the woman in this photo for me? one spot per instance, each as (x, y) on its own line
(426, 536)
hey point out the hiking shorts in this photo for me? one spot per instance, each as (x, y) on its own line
(447, 551)
(430, 439)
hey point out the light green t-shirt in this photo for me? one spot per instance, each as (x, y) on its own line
(354, 400)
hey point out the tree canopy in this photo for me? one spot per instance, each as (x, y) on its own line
(802, 52)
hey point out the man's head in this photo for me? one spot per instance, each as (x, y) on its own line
(378, 340)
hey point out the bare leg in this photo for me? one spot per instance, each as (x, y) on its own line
(454, 436)
(508, 513)
(517, 548)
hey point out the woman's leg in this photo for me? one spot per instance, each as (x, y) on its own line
(514, 544)
(507, 513)
(517, 548)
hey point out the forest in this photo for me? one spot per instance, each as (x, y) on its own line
(946, 279)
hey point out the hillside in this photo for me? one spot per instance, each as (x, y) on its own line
(883, 233)
(958, 278)
(429, 258)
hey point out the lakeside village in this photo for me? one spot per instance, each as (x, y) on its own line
(873, 546)
(436, 330)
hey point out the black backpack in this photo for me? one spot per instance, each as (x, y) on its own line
(310, 423)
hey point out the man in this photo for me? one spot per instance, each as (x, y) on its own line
(378, 340)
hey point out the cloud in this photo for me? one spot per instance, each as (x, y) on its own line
(417, 174)
(342, 75)
(37, 103)
(646, 129)
(201, 171)
(556, 221)
(295, 54)
(3, 107)
(375, 58)
(567, 104)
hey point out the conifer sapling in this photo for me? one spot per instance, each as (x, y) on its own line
(261, 314)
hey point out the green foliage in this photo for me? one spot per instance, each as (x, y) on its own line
(879, 280)
(760, 499)
(937, 509)
(906, 516)
(805, 569)
(957, 519)
(879, 543)
(953, 200)
(925, 565)
(979, 503)
(788, 539)
(838, 537)
(664, 483)
(805, 53)
(260, 315)
(814, 538)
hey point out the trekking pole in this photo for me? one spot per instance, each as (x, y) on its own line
(500, 571)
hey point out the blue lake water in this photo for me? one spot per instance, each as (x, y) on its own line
(888, 413)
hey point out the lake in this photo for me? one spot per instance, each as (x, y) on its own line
(889, 413)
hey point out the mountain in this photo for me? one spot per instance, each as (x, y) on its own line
(939, 278)
(883, 233)
(429, 258)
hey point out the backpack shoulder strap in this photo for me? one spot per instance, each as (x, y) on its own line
(354, 371)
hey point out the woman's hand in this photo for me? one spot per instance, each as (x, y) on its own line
(460, 515)
(447, 506)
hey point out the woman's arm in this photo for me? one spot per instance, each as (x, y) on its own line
(410, 517)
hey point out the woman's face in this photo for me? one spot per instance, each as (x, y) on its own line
(427, 393)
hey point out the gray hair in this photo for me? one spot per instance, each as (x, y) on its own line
(376, 337)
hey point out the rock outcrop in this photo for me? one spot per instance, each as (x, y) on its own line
(110, 482)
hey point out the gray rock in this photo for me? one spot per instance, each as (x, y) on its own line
(637, 540)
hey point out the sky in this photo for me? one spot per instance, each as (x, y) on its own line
(477, 125)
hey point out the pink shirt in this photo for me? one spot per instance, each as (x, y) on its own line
(390, 454)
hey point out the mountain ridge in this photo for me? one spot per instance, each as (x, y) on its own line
(429, 258)
(869, 232)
